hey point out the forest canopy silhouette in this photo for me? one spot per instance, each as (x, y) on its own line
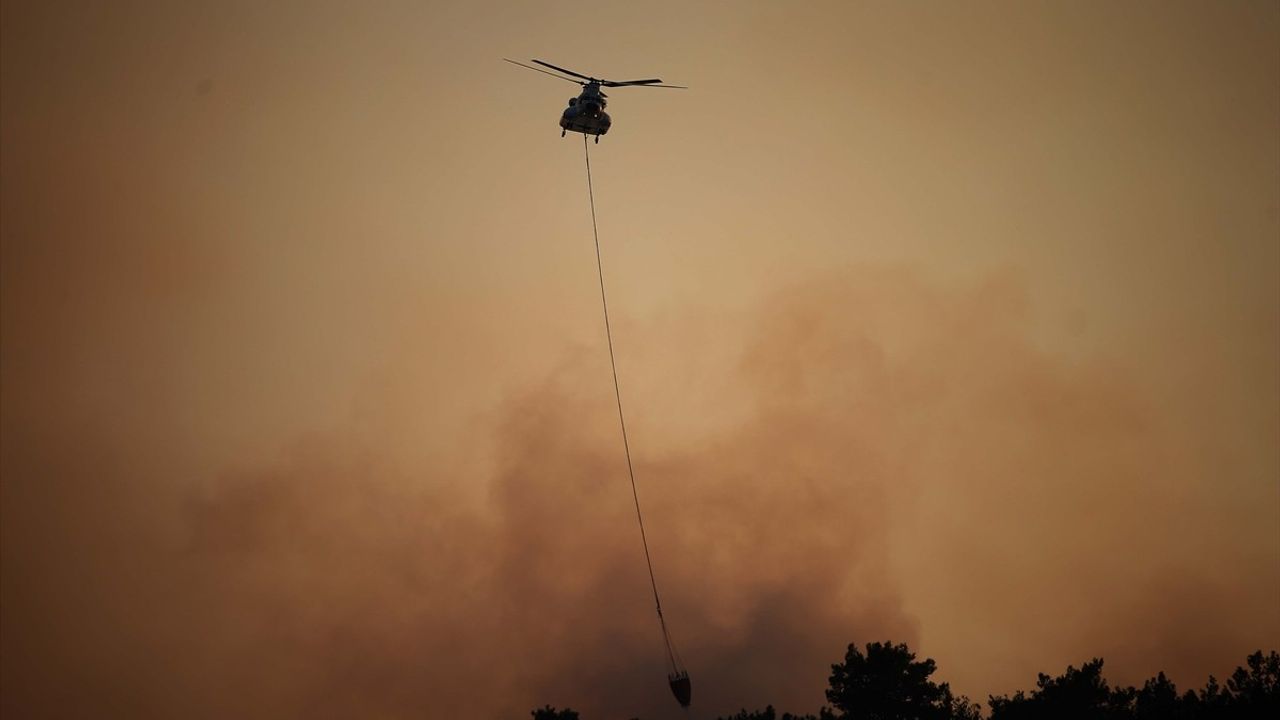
(886, 682)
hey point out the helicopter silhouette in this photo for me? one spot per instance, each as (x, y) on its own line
(585, 113)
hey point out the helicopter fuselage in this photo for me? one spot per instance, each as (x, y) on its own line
(585, 113)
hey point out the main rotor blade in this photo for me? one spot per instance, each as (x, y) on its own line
(676, 87)
(544, 72)
(566, 72)
(620, 83)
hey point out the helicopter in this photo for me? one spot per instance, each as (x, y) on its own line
(585, 113)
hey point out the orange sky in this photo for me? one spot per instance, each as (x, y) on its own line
(957, 325)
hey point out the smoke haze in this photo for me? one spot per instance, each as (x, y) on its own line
(895, 435)
(307, 410)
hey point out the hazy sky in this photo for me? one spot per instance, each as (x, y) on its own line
(955, 324)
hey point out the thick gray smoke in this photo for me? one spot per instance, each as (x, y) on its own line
(898, 460)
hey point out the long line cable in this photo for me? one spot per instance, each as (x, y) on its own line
(617, 394)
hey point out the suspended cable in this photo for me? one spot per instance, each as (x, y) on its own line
(678, 675)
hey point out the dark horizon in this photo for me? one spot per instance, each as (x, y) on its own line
(886, 680)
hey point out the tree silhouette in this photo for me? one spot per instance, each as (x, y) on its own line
(550, 713)
(1159, 700)
(1082, 694)
(1258, 688)
(887, 683)
(770, 714)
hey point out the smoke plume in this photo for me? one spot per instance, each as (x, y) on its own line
(882, 458)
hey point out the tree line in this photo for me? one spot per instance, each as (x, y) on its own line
(886, 682)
